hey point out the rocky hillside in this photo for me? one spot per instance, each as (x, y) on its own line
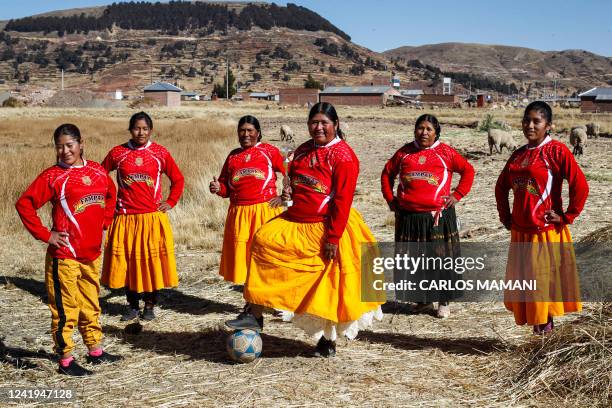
(102, 49)
(573, 69)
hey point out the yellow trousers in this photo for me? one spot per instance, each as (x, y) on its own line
(73, 289)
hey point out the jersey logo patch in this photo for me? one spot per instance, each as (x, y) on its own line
(309, 181)
(90, 199)
(138, 161)
(138, 178)
(527, 183)
(86, 180)
(422, 159)
(421, 175)
(248, 172)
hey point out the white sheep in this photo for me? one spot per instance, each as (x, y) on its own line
(286, 134)
(578, 139)
(592, 129)
(499, 139)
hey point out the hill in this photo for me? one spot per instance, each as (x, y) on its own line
(573, 69)
(106, 48)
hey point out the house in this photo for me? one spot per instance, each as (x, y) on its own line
(261, 96)
(358, 95)
(439, 99)
(596, 100)
(190, 96)
(298, 96)
(165, 93)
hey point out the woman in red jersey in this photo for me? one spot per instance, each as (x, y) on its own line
(424, 205)
(248, 178)
(308, 260)
(541, 244)
(83, 199)
(139, 253)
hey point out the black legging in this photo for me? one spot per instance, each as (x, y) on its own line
(134, 297)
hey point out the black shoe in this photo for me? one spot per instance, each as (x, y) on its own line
(74, 369)
(147, 314)
(103, 358)
(131, 314)
(325, 348)
(246, 320)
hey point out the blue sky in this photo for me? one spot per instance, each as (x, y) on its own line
(385, 24)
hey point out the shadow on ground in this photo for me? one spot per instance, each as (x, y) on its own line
(206, 345)
(17, 356)
(168, 298)
(460, 345)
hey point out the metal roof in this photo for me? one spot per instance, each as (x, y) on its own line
(410, 92)
(603, 97)
(189, 93)
(356, 90)
(259, 95)
(597, 92)
(162, 87)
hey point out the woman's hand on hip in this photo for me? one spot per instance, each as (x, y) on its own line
(551, 217)
(163, 207)
(58, 239)
(449, 201)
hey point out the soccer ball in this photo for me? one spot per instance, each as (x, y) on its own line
(244, 346)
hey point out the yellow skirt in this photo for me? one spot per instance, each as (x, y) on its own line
(139, 253)
(554, 267)
(287, 272)
(241, 224)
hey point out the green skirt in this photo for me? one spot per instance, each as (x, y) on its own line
(417, 236)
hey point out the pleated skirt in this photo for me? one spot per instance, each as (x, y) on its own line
(139, 253)
(288, 272)
(241, 224)
(549, 258)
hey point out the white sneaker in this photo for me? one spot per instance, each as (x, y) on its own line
(443, 311)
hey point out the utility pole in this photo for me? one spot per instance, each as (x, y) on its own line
(62, 79)
(227, 95)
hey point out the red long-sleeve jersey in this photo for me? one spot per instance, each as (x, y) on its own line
(425, 176)
(139, 177)
(323, 180)
(249, 175)
(83, 200)
(535, 175)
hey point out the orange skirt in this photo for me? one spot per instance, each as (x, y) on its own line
(287, 271)
(554, 267)
(241, 224)
(139, 253)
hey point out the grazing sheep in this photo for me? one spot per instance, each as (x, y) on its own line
(286, 133)
(503, 124)
(578, 138)
(593, 129)
(499, 139)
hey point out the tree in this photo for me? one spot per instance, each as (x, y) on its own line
(311, 83)
(220, 90)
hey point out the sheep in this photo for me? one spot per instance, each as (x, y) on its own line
(592, 129)
(286, 133)
(578, 138)
(499, 139)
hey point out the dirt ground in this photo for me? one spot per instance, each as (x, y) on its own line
(179, 359)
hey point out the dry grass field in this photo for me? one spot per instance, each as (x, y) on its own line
(477, 357)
